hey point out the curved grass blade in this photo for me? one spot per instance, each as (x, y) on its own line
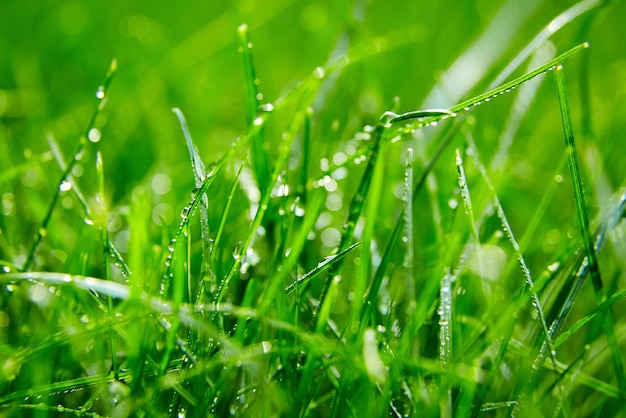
(200, 174)
(43, 228)
(429, 118)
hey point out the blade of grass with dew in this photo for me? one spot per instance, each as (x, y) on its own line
(293, 95)
(281, 163)
(583, 220)
(258, 151)
(581, 265)
(407, 198)
(101, 217)
(547, 345)
(354, 213)
(276, 282)
(324, 265)
(479, 99)
(447, 136)
(182, 273)
(43, 228)
(199, 173)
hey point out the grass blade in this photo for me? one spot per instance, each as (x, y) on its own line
(42, 230)
(259, 156)
(583, 222)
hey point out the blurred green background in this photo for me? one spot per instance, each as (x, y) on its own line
(54, 55)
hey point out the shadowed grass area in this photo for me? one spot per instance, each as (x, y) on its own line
(312, 209)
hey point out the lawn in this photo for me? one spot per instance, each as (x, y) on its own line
(316, 208)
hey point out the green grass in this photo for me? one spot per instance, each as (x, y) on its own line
(328, 211)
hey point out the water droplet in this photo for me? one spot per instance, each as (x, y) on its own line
(94, 135)
(184, 213)
(258, 121)
(319, 72)
(267, 107)
(100, 92)
(88, 221)
(554, 266)
(387, 119)
(65, 186)
(558, 178)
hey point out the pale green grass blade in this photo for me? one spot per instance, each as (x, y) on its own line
(98, 215)
(547, 347)
(200, 174)
(553, 27)
(258, 150)
(583, 221)
(83, 140)
(104, 232)
(217, 243)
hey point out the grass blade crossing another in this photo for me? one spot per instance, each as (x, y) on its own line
(608, 322)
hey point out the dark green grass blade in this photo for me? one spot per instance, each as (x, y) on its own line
(596, 313)
(324, 265)
(259, 155)
(356, 208)
(42, 230)
(608, 321)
